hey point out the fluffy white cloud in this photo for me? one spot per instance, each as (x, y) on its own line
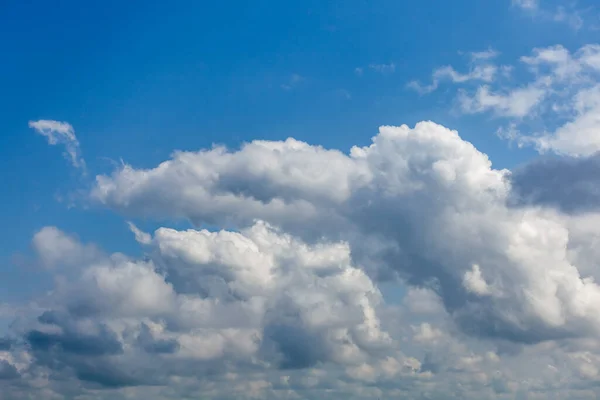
(517, 103)
(401, 204)
(287, 303)
(252, 301)
(57, 249)
(62, 133)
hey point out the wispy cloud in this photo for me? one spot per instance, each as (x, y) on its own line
(481, 69)
(483, 55)
(568, 15)
(61, 133)
(383, 68)
(293, 81)
(526, 4)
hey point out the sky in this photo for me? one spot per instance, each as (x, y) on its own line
(300, 199)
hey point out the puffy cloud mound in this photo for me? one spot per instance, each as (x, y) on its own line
(203, 303)
(420, 204)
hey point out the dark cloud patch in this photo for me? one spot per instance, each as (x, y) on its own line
(104, 342)
(153, 345)
(105, 375)
(571, 184)
(8, 371)
(5, 344)
(298, 348)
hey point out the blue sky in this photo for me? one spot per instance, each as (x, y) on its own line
(138, 80)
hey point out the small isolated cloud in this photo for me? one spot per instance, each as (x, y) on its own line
(61, 133)
(292, 82)
(526, 4)
(484, 73)
(481, 69)
(572, 18)
(484, 55)
(384, 69)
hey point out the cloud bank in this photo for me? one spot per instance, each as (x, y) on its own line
(409, 267)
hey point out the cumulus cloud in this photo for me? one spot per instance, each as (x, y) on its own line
(61, 133)
(400, 204)
(486, 282)
(517, 103)
(255, 300)
(57, 249)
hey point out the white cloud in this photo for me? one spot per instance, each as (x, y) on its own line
(567, 14)
(484, 73)
(481, 69)
(474, 282)
(55, 249)
(560, 100)
(293, 82)
(517, 103)
(499, 300)
(140, 236)
(484, 55)
(572, 17)
(252, 301)
(383, 68)
(425, 333)
(526, 4)
(578, 137)
(62, 133)
(400, 204)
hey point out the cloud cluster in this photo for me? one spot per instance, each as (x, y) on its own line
(201, 303)
(420, 204)
(289, 299)
(557, 110)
